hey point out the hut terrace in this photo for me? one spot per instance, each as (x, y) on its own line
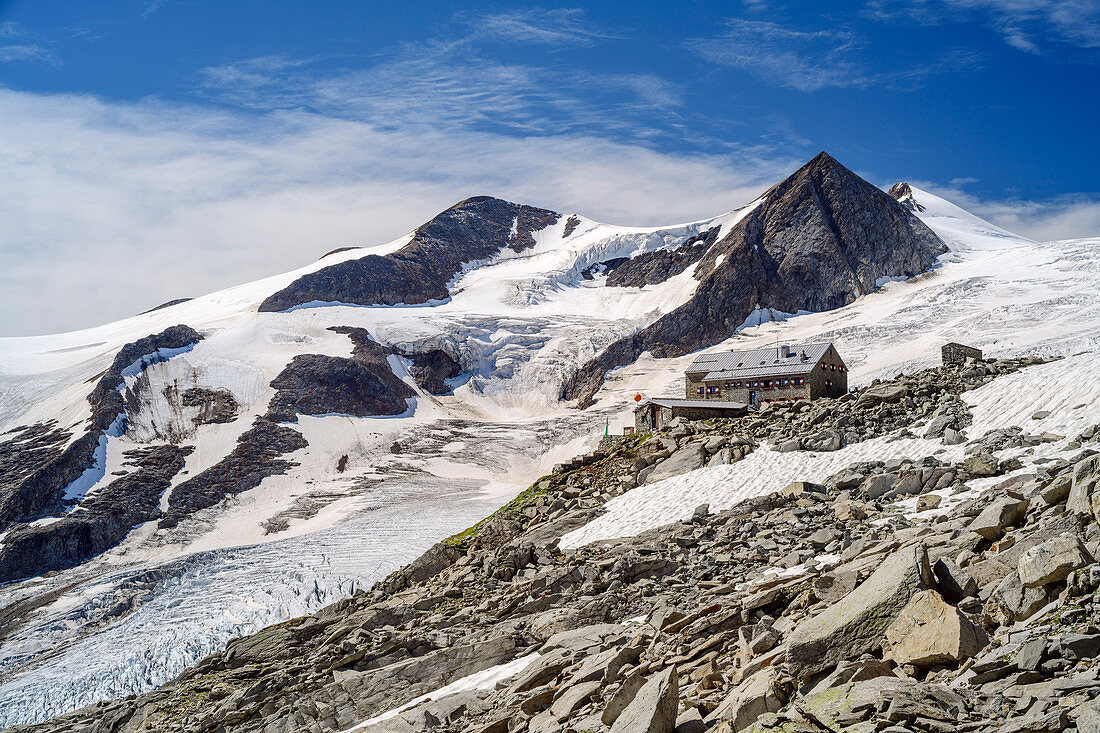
(784, 372)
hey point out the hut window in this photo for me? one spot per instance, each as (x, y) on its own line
(699, 390)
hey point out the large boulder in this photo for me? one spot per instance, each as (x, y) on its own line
(888, 392)
(929, 631)
(755, 696)
(1003, 512)
(653, 709)
(1084, 498)
(688, 458)
(856, 624)
(1012, 601)
(1053, 560)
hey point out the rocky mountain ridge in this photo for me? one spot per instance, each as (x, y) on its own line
(470, 231)
(826, 607)
(816, 241)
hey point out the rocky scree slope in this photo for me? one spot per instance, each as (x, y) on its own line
(817, 608)
(816, 241)
(472, 230)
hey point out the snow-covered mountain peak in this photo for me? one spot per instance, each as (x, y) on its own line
(956, 226)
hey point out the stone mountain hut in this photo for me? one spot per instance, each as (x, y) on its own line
(785, 372)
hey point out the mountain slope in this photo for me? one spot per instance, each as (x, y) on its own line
(816, 241)
(468, 232)
(486, 367)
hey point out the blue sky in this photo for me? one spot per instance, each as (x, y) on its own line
(218, 142)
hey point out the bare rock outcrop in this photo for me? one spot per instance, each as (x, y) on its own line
(817, 241)
(471, 230)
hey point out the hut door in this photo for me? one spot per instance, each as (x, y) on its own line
(752, 398)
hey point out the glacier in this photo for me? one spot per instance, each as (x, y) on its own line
(140, 613)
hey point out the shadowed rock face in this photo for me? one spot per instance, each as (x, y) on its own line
(474, 229)
(255, 457)
(904, 196)
(311, 384)
(314, 384)
(656, 267)
(818, 241)
(103, 520)
(34, 469)
(430, 369)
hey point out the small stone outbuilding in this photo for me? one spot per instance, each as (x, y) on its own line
(656, 413)
(954, 353)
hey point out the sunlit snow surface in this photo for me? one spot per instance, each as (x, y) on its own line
(140, 613)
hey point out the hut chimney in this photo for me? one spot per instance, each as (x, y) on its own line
(784, 351)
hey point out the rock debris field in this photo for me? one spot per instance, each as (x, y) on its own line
(950, 592)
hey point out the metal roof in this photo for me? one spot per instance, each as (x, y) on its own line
(717, 404)
(766, 362)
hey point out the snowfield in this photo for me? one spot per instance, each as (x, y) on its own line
(1069, 389)
(138, 614)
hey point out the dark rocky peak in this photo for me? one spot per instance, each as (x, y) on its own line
(471, 230)
(903, 194)
(819, 239)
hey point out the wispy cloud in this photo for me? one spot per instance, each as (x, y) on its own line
(810, 60)
(1031, 25)
(100, 200)
(449, 83)
(1069, 28)
(23, 46)
(802, 60)
(1060, 217)
(555, 27)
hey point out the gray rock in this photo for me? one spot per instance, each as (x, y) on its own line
(928, 501)
(1052, 561)
(954, 582)
(1087, 717)
(855, 625)
(604, 667)
(586, 637)
(866, 667)
(573, 697)
(1003, 512)
(1031, 654)
(622, 697)
(1083, 495)
(755, 696)
(690, 721)
(939, 425)
(543, 670)
(877, 485)
(882, 393)
(1057, 490)
(1012, 601)
(930, 632)
(982, 464)
(688, 458)
(953, 437)
(653, 709)
(1079, 646)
